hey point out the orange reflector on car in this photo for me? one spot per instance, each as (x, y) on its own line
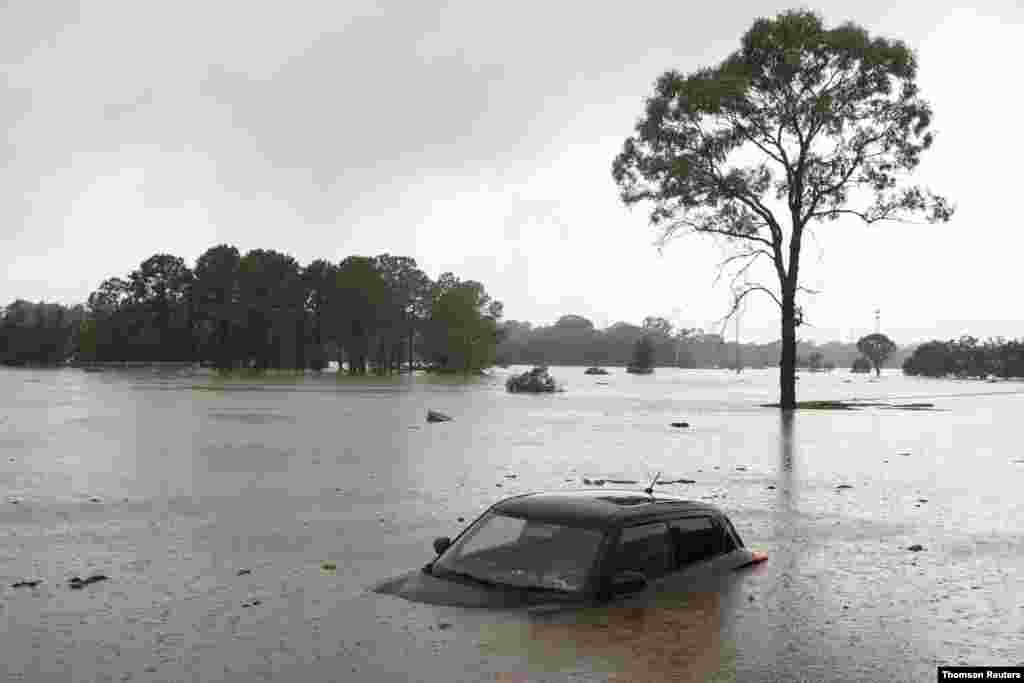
(758, 556)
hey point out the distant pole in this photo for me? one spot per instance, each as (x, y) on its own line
(738, 367)
(878, 320)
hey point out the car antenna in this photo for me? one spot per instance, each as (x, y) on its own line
(650, 489)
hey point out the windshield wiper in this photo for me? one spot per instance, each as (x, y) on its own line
(547, 589)
(471, 577)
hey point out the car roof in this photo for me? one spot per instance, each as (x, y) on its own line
(603, 508)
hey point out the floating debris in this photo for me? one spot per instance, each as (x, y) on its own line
(922, 500)
(741, 468)
(26, 583)
(437, 416)
(916, 548)
(680, 424)
(77, 583)
(444, 625)
(328, 566)
(461, 519)
(771, 487)
(843, 486)
(252, 603)
(95, 499)
(243, 572)
(511, 476)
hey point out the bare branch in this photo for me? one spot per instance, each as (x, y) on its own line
(738, 299)
(751, 255)
(669, 233)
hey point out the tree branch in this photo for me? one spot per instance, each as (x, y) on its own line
(738, 299)
(752, 255)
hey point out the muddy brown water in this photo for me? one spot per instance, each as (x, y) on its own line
(170, 483)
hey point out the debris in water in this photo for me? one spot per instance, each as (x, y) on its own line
(499, 485)
(511, 476)
(243, 572)
(252, 603)
(771, 487)
(843, 486)
(741, 468)
(77, 583)
(922, 500)
(436, 416)
(461, 519)
(444, 625)
(328, 566)
(95, 499)
(26, 583)
(916, 548)
(681, 424)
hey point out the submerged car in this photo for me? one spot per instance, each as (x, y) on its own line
(587, 546)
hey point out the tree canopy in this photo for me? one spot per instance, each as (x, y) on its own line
(263, 309)
(802, 124)
(877, 348)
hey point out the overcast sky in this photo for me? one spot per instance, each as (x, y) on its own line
(476, 137)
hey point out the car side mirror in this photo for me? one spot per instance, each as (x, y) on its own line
(628, 582)
(441, 544)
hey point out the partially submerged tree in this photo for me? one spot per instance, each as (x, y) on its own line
(876, 348)
(861, 365)
(802, 124)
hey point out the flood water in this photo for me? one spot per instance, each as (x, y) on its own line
(173, 484)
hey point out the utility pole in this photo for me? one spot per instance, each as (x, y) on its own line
(878, 323)
(739, 368)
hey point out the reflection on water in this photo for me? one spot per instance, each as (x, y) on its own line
(677, 638)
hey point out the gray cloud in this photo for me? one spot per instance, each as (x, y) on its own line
(465, 133)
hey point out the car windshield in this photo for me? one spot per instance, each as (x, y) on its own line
(524, 553)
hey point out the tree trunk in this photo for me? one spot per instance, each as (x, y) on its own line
(787, 364)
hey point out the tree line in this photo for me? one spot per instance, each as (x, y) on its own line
(574, 340)
(967, 357)
(39, 333)
(264, 310)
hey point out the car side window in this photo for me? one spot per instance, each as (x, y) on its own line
(695, 539)
(645, 548)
